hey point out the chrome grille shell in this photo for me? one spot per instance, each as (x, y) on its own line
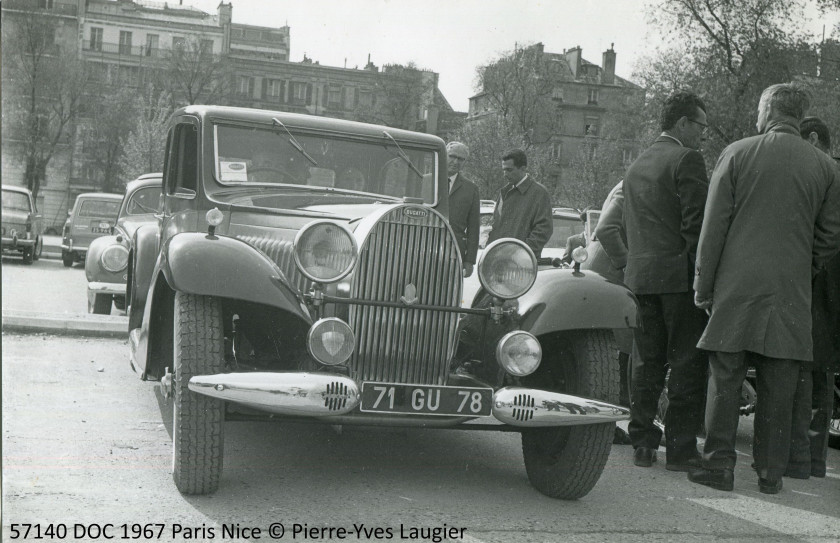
(406, 246)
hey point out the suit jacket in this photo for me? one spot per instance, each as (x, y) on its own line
(773, 213)
(524, 213)
(665, 192)
(611, 235)
(464, 216)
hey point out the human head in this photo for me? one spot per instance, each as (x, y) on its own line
(783, 101)
(815, 131)
(456, 154)
(683, 115)
(514, 164)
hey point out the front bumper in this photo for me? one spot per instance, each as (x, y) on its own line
(17, 243)
(327, 395)
(97, 287)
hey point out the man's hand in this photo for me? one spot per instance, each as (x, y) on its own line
(702, 302)
(468, 269)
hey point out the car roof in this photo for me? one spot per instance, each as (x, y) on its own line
(297, 120)
(98, 196)
(15, 188)
(145, 180)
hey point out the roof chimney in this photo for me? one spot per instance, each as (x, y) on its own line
(573, 57)
(608, 65)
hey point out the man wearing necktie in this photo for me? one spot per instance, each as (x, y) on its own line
(523, 206)
(463, 205)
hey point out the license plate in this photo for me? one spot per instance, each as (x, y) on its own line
(98, 230)
(426, 399)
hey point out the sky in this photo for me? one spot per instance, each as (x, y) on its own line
(454, 37)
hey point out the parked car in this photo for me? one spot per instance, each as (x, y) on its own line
(93, 215)
(106, 265)
(304, 270)
(21, 224)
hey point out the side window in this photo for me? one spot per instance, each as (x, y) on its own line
(182, 160)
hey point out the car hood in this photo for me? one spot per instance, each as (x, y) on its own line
(14, 216)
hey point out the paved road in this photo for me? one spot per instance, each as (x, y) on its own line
(85, 441)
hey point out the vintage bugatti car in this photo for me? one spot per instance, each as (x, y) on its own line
(304, 270)
(107, 256)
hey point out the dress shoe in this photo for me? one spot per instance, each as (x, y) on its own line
(770, 486)
(691, 463)
(818, 471)
(621, 437)
(719, 479)
(644, 457)
(798, 472)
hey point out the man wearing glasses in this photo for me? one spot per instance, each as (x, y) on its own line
(664, 196)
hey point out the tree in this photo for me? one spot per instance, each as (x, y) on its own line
(105, 132)
(143, 149)
(520, 87)
(193, 74)
(728, 51)
(400, 93)
(44, 93)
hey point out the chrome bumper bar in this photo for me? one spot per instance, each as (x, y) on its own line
(321, 394)
(96, 287)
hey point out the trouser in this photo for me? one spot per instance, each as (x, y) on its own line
(800, 444)
(671, 327)
(776, 386)
(823, 406)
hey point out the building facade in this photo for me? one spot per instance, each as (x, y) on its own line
(206, 58)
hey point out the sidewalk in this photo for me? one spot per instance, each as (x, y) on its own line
(67, 324)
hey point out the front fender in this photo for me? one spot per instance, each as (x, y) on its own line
(144, 247)
(93, 267)
(205, 265)
(563, 299)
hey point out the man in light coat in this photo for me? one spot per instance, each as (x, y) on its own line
(772, 218)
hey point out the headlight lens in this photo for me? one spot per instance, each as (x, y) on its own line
(330, 341)
(114, 258)
(507, 269)
(519, 353)
(325, 251)
(580, 255)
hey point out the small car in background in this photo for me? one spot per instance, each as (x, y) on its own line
(93, 215)
(567, 223)
(21, 228)
(107, 257)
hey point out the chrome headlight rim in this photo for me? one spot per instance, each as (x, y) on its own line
(122, 262)
(504, 361)
(488, 252)
(316, 327)
(298, 246)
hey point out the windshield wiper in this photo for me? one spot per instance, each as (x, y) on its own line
(294, 142)
(402, 154)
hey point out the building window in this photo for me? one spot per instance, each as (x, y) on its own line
(178, 43)
(592, 97)
(46, 4)
(334, 97)
(557, 94)
(627, 156)
(275, 89)
(592, 126)
(95, 39)
(349, 98)
(366, 99)
(245, 86)
(556, 151)
(299, 92)
(125, 42)
(205, 48)
(152, 44)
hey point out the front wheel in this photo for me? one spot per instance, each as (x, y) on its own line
(198, 420)
(566, 462)
(67, 259)
(99, 304)
(28, 254)
(39, 248)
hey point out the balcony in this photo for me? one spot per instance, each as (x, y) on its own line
(59, 8)
(134, 51)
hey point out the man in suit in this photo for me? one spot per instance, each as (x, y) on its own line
(523, 206)
(772, 219)
(664, 195)
(463, 205)
(812, 408)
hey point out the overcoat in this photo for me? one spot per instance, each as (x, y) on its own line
(464, 216)
(664, 195)
(825, 310)
(773, 212)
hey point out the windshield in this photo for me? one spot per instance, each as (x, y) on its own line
(255, 156)
(99, 208)
(564, 227)
(144, 201)
(15, 201)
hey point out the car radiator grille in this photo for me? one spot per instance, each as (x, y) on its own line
(282, 253)
(400, 344)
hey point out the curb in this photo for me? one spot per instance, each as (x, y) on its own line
(65, 324)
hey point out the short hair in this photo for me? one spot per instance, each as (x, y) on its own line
(457, 146)
(520, 160)
(788, 99)
(815, 124)
(678, 105)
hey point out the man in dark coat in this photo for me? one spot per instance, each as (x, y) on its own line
(773, 216)
(463, 205)
(664, 195)
(523, 206)
(809, 434)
